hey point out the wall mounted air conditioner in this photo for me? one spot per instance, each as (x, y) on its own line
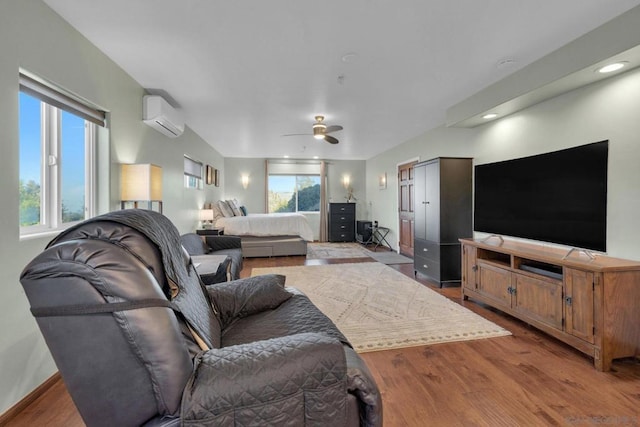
(157, 113)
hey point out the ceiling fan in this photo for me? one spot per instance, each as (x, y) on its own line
(321, 131)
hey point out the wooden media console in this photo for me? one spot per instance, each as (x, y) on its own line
(592, 304)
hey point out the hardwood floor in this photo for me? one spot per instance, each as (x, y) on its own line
(527, 379)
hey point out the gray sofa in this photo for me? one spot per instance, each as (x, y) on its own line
(201, 250)
(139, 340)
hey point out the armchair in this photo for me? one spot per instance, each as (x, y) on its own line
(139, 340)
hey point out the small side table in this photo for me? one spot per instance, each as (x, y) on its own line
(210, 231)
(378, 236)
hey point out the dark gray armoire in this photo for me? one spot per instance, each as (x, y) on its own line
(443, 209)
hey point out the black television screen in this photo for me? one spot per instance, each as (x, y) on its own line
(558, 197)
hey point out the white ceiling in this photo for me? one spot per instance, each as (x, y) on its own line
(246, 72)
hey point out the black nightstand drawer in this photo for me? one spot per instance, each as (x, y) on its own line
(342, 208)
(341, 236)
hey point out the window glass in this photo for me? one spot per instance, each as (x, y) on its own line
(294, 193)
(73, 153)
(30, 160)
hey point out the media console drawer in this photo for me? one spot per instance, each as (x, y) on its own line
(590, 304)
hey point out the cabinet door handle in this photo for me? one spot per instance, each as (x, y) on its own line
(474, 268)
(511, 290)
(568, 300)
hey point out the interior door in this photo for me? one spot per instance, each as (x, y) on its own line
(406, 207)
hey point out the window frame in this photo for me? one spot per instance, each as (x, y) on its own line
(51, 157)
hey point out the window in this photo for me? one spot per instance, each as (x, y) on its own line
(294, 193)
(57, 139)
(192, 173)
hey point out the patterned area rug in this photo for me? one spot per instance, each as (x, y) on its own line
(334, 250)
(354, 250)
(379, 308)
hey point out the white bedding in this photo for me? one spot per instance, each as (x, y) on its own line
(274, 224)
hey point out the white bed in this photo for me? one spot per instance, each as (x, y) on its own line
(274, 224)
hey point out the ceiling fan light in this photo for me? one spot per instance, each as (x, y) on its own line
(319, 130)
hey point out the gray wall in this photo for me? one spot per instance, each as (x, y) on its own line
(35, 38)
(606, 110)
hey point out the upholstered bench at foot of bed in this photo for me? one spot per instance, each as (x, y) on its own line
(253, 246)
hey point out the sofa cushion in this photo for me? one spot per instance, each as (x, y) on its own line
(295, 315)
(194, 244)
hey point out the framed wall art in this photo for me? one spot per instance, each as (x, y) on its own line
(209, 175)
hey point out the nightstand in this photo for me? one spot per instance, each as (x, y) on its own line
(210, 231)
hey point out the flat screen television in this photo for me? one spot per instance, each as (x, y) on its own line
(558, 197)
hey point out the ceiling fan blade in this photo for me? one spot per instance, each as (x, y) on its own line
(333, 128)
(330, 139)
(296, 134)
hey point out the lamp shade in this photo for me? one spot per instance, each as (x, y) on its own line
(141, 182)
(206, 214)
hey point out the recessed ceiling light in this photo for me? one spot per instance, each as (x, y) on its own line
(610, 68)
(490, 116)
(285, 156)
(315, 157)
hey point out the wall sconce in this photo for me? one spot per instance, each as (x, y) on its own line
(346, 181)
(245, 181)
(141, 183)
(206, 216)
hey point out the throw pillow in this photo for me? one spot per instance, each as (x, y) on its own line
(243, 210)
(243, 297)
(225, 209)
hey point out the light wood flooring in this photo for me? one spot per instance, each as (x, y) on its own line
(527, 379)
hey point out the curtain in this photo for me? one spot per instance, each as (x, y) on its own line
(324, 235)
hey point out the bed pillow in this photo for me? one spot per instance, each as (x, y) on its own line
(224, 208)
(217, 213)
(233, 204)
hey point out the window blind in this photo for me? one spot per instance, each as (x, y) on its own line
(192, 168)
(63, 101)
